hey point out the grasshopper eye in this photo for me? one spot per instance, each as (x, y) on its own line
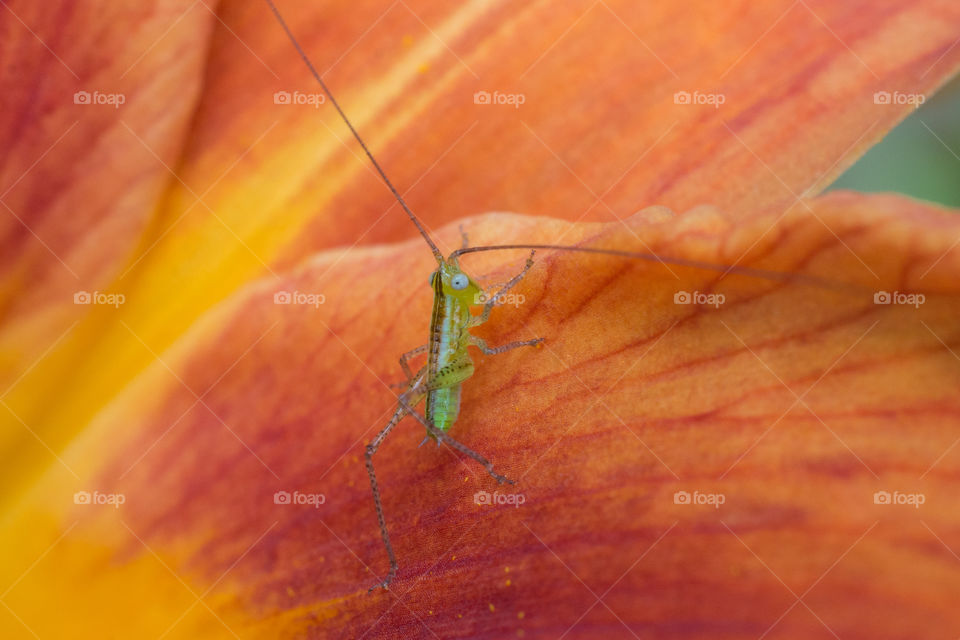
(459, 282)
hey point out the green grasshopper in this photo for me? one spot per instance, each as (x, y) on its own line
(455, 293)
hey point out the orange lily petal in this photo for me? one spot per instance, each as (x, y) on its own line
(794, 403)
(260, 186)
(89, 128)
(77, 184)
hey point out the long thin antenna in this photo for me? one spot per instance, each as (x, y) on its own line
(776, 276)
(376, 165)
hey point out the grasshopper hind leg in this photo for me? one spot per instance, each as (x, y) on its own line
(442, 437)
(467, 451)
(371, 450)
(408, 399)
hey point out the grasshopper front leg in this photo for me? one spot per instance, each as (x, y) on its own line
(492, 302)
(488, 307)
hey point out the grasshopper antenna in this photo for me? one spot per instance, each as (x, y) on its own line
(776, 276)
(376, 165)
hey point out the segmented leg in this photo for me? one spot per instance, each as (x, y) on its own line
(482, 345)
(402, 410)
(409, 354)
(456, 444)
(406, 383)
(492, 302)
(372, 449)
(407, 401)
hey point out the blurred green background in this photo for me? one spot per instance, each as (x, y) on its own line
(919, 158)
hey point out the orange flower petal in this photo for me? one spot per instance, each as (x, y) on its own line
(92, 117)
(88, 125)
(260, 186)
(599, 116)
(794, 403)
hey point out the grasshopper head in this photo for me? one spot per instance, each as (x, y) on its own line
(454, 282)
